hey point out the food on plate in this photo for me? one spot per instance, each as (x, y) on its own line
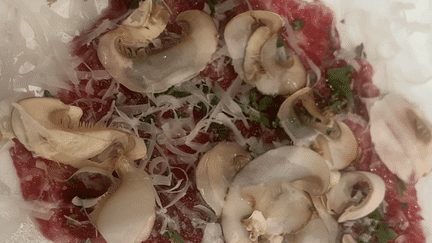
(213, 121)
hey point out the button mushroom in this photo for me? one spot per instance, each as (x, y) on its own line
(402, 137)
(126, 213)
(275, 185)
(251, 41)
(53, 131)
(356, 195)
(125, 53)
(331, 138)
(216, 170)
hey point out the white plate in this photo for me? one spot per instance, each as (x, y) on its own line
(396, 36)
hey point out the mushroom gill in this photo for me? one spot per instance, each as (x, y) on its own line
(125, 53)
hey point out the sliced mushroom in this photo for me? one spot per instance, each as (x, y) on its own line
(279, 77)
(126, 213)
(251, 41)
(402, 137)
(240, 29)
(356, 195)
(339, 151)
(284, 173)
(332, 139)
(118, 47)
(125, 55)
(216, 170)
(53, 131)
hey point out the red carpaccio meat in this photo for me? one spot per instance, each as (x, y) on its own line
(319, 40)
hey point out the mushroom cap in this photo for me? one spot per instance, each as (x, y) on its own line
(402, 137)
(347, 198)
(216, 170)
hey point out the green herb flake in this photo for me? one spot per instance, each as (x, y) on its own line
(220, 130)
(280, 42)
(339, 81)
(175, 92)
(384, 233)
(212, 5)
(149, 118)
(174, 236)
(298, 24)
(214, 101)
(47, 94)
(400, 188)
(403, 205)
(132, 4)
(377, 214)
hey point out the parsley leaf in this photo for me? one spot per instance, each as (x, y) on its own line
(220, 130)
(384, 233)
(298, 24)
(175, 92)
(46, 93)
(339, 81)
(280, 42)
(174, 236)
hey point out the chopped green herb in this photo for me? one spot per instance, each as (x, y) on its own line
(265, 103)
(201, 107)
(403, 205)
(46, 93)
(212, 5)
(214, 101)
(220, 130)
(384, 233)
(298, 24)
(339, 81)
(181, 115)
(377, 214)
(280, 42)
(132, 4)
(149, 118)
(174, 92)
(400, 188)
(174, 236)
